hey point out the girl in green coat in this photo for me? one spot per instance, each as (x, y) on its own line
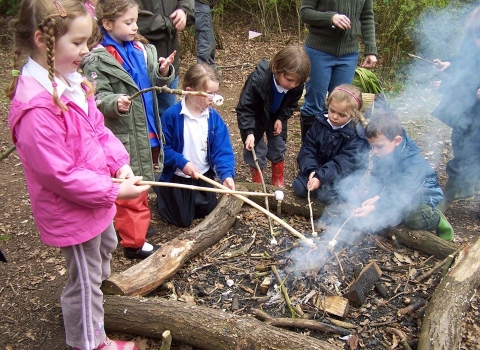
(123, 64)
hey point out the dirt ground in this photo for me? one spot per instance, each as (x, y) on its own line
(32, 280)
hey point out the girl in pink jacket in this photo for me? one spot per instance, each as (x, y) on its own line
(68, 158)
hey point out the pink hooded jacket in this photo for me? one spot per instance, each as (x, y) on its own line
(68, 160)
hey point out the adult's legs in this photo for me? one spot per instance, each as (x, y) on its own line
(204, 35)
(167, 100)
(343, 70)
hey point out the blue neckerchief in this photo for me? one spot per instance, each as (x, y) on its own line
(136, 66)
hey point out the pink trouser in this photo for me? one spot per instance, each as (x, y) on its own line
(88, 264)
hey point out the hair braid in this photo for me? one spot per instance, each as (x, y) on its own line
(10, 89)
(49, 28)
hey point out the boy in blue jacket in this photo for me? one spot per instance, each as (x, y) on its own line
(403, 185)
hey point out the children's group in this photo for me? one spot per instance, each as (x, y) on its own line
(86, 108)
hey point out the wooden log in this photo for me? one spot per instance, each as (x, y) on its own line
(441, 325)
(364, 283)
(332, 304)
(423, 241)
(150, 273)
(200, 326)
(291, 204)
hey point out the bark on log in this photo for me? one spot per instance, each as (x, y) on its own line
(150, 273)
(441, 325)
(423, 241)
(291, 204)
(200, 326)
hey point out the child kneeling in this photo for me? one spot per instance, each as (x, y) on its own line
(403, 185)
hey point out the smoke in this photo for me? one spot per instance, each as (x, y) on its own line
(437, 34)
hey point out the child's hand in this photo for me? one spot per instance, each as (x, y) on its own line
(366, 208)
(313, 182)
(125, 172)
(250, 142)
(165, 63)
(190, 170)
(441, 65)
(277, 127)
(123, 103)
(128, 189)
(228, 182)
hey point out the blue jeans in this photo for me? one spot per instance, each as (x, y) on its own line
(167, 100)
(327, 72)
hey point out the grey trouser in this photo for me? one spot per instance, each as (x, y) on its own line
(204, 35)
(274, 151)
(88, 264)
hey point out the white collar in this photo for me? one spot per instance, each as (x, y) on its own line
(336, 127)
(40, 74)
(185, 111)
(280, 88)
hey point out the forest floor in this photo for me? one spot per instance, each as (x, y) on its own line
(32, 280)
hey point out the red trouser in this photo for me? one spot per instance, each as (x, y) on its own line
(132, 220)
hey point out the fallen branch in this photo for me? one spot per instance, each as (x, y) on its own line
(200, 326)
(441, 325)
(7, 152)
(284, 291)
(299, 323)
(150, 273)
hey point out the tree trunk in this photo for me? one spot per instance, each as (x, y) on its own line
(423, 241)
(291, 204)
(200, 326)
(150, 273)
(442, 322)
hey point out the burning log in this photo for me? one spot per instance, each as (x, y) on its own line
(150, 273)
(202, 327)
(441, 325)
(363, 284)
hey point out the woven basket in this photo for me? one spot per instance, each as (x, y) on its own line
(368, 99)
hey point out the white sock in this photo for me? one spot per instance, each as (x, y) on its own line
(147, 247)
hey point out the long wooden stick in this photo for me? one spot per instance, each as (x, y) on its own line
(197, 188)
(167, 90)
(420, 58)
(263, 210)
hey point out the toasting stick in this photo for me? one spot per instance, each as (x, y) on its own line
(217, 99)
(263, 210)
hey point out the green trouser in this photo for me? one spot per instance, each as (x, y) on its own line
(424, 217)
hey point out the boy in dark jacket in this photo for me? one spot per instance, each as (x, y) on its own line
(267, 101)
(403, 185)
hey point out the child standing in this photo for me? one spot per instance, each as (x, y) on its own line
(334, 147)
(196, 141)
(403, 185)
(460, 109)
(267, 101)
(121, 66)
(69, 157)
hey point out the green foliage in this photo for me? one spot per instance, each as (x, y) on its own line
(8, 7)
(367, 81)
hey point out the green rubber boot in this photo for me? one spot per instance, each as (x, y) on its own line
(444, 229)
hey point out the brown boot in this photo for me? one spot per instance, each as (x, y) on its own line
(256, 178)
(277, 174)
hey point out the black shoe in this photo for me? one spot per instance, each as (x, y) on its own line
(151, 232)
(138, 253)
